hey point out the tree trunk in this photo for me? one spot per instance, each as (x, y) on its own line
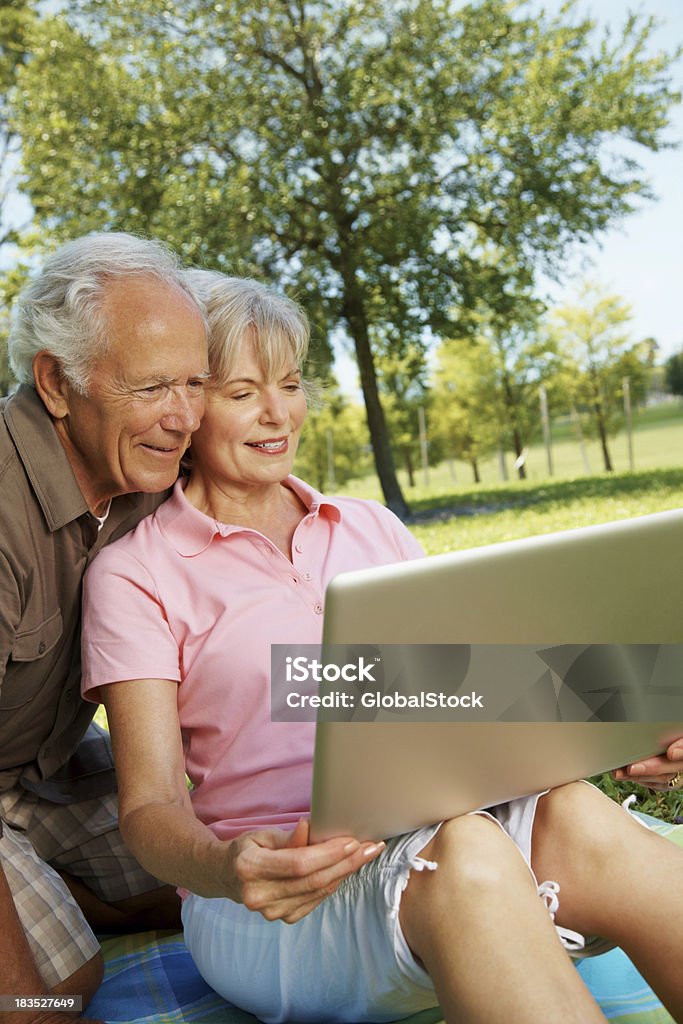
(475, 469)
(354, 314)
(519, 449)
(602, 431)
(409, 467)
(510, 405)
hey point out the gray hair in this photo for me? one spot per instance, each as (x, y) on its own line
(236, 305)
(61, 309)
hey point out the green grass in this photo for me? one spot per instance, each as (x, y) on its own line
(467, 519)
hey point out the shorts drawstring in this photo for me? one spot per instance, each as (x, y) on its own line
(571, 940)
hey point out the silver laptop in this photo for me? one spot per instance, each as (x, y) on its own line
(575, 639)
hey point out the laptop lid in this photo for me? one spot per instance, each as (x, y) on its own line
(601, 595)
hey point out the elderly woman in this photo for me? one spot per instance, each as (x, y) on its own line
(179, 619)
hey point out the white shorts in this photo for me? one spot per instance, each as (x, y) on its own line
(346, 961)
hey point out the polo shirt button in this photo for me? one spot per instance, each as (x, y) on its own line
(41, 648)
(299, 548)
(308, 576)
(318, 609)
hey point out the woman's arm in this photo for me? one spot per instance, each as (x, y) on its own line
(273, 872)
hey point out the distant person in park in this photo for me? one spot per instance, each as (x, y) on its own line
(179, 617)
(109, 347)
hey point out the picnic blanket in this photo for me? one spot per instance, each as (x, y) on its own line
(150, 979)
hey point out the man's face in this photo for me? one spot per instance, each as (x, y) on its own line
(145, 396)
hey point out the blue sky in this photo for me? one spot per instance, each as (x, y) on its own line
(641, 259)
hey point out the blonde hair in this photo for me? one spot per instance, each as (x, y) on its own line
(236, 306)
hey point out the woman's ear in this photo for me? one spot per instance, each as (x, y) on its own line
(51, 384)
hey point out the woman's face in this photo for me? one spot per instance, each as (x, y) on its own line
(250, 430)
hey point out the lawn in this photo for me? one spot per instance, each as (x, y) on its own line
(472, 518)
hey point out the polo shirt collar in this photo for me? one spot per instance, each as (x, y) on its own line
(43, 457)
(190, 531)
(314, 501)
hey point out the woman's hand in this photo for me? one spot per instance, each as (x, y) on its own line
(659, 773)
(283, 878)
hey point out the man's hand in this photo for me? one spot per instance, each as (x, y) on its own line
(657, 773)
(283, 878)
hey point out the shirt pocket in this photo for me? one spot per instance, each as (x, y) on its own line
(31, 644)
(25, 674)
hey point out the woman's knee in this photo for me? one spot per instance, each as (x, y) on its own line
(474, 856)
(477, 864)
(577, 828)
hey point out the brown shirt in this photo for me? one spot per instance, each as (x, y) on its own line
(47, 539)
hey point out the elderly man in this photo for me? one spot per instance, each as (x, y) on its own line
(109, 347)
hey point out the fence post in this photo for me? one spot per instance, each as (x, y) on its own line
(629, 424)
(545, 422)
(330, 459)
(423, 445)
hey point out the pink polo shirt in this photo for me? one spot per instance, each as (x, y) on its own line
(186, 598)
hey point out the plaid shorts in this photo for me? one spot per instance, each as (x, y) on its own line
(38, 840)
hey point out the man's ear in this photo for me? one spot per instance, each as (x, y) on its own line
(51, 384)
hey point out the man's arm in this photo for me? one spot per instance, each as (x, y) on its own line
(19, 975)
(18, 972)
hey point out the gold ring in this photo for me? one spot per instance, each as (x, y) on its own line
(676, 781)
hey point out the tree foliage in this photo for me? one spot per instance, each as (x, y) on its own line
(368, 154)
(16, 20)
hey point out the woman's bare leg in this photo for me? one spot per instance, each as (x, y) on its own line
(617, 880)
(485, 937)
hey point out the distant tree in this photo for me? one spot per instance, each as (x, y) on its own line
(401, 371)
(511, 360)
(6, 377)
(334, 443)
(594, 342)
(366, 154)
(673, 374)
(11, 282)
(468, 414)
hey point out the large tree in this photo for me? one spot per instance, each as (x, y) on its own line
(368, 154)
